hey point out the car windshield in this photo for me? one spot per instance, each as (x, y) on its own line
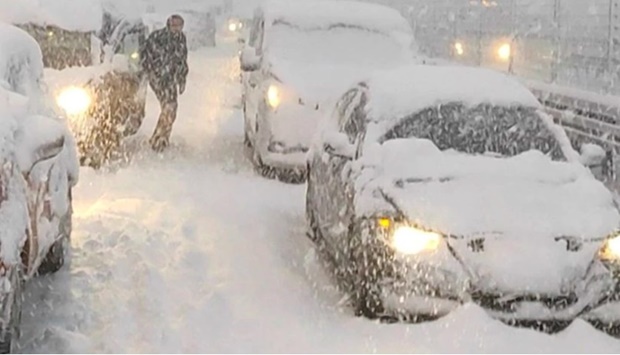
(338, 45)
(485, 129)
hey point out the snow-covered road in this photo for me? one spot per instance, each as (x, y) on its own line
(192, 252)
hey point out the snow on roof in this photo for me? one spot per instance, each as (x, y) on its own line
(320, 14)
(72, 15)
(404, 91)
(15, 42)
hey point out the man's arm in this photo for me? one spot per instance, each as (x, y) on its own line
(184, 67)
(146, 54)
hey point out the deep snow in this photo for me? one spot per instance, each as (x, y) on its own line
(192, 252)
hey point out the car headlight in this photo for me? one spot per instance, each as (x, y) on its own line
(459, 48)
(611, 249)
(232, 27)
(274, 96)
(74, 100)
(504, 51)
(409, 240)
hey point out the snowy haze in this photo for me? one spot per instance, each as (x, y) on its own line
(191, 251)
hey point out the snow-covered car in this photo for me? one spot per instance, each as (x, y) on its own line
(39, 168)
(433, 186)
(104, 96)
(299, 57)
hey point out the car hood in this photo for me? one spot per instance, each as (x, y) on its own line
(520, 207)
(318, 83)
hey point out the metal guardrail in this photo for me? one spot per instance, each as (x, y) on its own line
(587, 120)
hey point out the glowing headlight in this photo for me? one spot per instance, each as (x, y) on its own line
(232, 27)
(504, 52)
(273, 96)
(611, 250)
(459, 49)
(411, 241)
(135, 55)
(74, 100)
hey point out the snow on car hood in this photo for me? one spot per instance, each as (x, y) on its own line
(461, 194)
(519, 205)
(317, 83)
(57, 80)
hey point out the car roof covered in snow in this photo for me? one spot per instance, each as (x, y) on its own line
(71, 15)
(410, 89)
(16, 43)
(323, 14)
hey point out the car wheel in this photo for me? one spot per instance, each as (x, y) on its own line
(55, 258)
(12, 311)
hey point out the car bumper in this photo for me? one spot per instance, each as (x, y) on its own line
(435, 286)
(294, 161)
(287, 137)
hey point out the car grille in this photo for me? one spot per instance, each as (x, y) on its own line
(509, 304)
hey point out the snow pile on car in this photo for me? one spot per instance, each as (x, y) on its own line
(519, 205)
(23, 129)
(322, 15)
(16, 44)
(71, 15)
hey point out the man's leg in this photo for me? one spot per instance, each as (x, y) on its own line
(168, 99)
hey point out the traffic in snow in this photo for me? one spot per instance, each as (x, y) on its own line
(293, 176)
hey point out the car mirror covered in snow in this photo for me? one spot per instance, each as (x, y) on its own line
(250, 61)
(594, 157)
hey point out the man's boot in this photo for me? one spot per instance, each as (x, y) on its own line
(161, 137)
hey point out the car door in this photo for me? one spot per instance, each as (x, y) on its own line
(252, 82)
(334, 195)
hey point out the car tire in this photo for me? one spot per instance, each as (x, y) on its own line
(11, 308)
(55, 258)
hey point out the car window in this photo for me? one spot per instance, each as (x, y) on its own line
(484, 129)
(355, 119)
(343, 104)
(254, 31)
(260, 38)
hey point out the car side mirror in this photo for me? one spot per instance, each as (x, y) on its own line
(250, 61)
(595, 158)
(337, 144)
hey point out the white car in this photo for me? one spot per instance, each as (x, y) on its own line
(39, 167)
(299, 57)
(430, 187)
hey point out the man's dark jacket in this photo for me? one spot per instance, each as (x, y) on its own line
(164, 57)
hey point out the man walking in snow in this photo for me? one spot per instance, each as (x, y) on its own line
(164, 62)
